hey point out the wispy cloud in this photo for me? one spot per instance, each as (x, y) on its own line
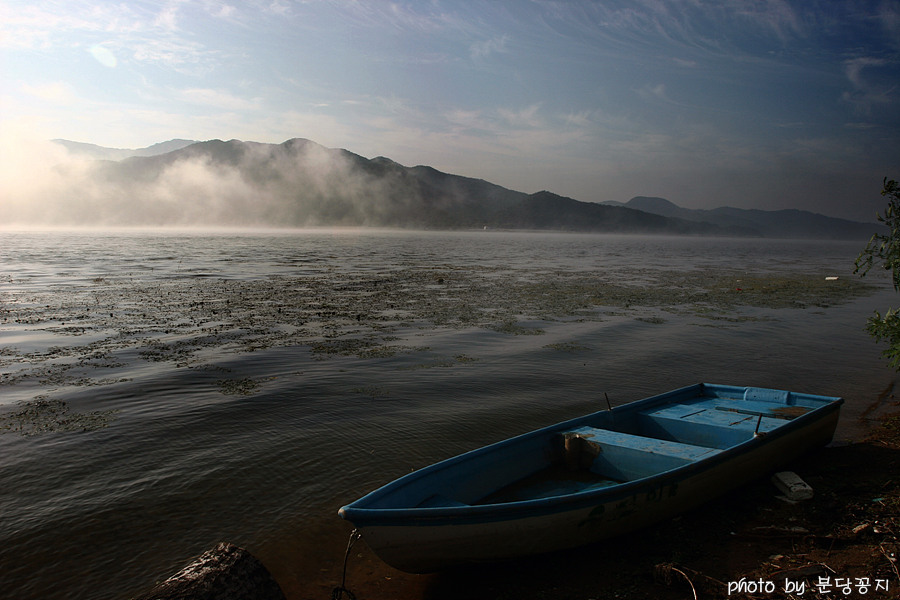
(776, 17)
(218, 99)
(167, 18)
(482, 49)
(527, 117)
(686, 31)
(860, 125)
(128, 30)
(25, 26)
(410, 17)
(224, 11)
(683, 62)
(853, 68)
(889, 16)
(653, 91)
(177, 54)
(867, 94)
(578, 119)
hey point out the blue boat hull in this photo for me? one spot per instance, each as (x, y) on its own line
(590, 478)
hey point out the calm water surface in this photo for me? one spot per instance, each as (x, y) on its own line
(162, 392)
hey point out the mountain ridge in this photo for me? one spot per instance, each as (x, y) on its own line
(302, 183)
(788, 222)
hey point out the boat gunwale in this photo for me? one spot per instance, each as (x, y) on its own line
(361, 516)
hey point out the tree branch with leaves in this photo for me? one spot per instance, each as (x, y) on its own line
(884, 249)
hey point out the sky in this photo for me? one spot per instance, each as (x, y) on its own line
(749, 103)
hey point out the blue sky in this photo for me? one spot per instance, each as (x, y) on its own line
(755, 104)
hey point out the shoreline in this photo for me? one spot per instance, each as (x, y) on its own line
(749, 542)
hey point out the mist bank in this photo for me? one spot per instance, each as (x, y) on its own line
(299, 183)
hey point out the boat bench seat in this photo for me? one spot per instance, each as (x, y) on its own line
(766, 409)
(626, 457)
(718, 422)
(703, 414)
(605, 437)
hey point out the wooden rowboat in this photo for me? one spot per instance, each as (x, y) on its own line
(590, 478)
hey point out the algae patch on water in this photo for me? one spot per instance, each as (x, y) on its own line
(44, 415)
(514, 328)
(570, 347)
(783, 291)
(440, 363)
(238, 387)
(340, 314)
(372, 391)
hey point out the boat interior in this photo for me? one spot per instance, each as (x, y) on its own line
(615, 447)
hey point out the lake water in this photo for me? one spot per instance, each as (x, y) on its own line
(164, 391)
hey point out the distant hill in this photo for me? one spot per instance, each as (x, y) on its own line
(546, 210)
(102, 153)
(787, 223)
(300, 183)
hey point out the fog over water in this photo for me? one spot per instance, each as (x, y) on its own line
(228, 184)
(166, 390)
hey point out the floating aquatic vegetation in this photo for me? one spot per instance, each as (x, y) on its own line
(353, 314)
(389, 351)
(568, 347)
(379, 352)
(513, 328)
(342, 346)
(373, 391)
(43, 415)
(784, 291)
(440, 363)
(238, 387)
(652, 320)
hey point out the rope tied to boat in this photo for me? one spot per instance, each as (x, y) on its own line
(338, 592)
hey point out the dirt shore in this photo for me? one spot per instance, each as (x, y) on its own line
(750, 544)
